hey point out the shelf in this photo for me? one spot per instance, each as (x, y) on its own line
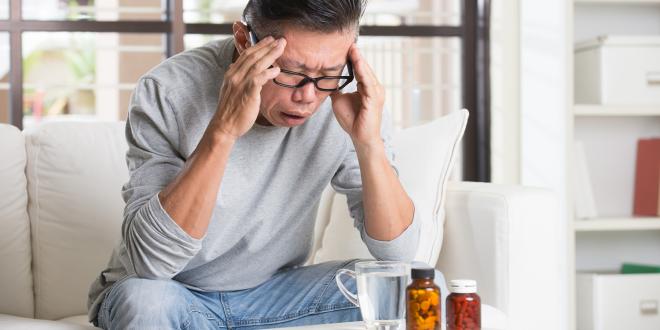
(585, 110)
(617, 224)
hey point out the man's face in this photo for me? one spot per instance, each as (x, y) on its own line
(314, 54)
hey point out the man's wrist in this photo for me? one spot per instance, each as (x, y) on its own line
(370, 149)
(368, 144)
(217, 140)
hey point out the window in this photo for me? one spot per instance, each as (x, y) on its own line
(212, 11)
(413, 12)
(4, 9)
(421, 76)
(378, 12)
(95, 10)
(196, 40)
(4, 77)
(84, 74)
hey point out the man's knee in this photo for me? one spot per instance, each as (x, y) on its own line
(141, 301)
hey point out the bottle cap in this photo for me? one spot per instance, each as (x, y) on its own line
(423, 273)
(463, 286)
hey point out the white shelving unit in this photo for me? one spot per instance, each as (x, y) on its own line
(585, 110)
(617, 224)
(609, 134)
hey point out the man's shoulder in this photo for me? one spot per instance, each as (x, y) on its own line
(197, 67)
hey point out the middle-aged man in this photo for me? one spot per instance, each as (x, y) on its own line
(230, 147)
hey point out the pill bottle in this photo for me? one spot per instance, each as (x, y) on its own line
(423, 301)
(463, 306)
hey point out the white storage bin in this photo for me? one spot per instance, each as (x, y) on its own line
(618, 70)
(618, 301)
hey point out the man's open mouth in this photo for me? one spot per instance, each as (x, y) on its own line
(293, 116)
(293, 120)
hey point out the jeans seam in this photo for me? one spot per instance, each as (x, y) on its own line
(330, 308)
(196, 309)
(292, 316)
(187, 323)
(225, 308)
(330, 276)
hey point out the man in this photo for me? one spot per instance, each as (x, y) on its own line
(230, 147)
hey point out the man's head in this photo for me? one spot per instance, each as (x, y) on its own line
(319, 34)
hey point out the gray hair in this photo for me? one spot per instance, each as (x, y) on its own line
(268, 17)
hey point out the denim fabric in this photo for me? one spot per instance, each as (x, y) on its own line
(292, 297)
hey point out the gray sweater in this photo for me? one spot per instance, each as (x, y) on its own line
(265, 211)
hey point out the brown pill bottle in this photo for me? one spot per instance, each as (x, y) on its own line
(423, 301)
(463, 306)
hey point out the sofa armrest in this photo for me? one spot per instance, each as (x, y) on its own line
(508, 238)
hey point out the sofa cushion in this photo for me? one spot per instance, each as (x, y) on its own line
(16, 295)
(23, 323)
(75, 172)
(79, 320)
(509, 239)
(424, 156)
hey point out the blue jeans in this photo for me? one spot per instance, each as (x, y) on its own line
(292, 297)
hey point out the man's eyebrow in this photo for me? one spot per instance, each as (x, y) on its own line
(293, 64)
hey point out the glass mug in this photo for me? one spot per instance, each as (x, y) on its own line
(381, 292)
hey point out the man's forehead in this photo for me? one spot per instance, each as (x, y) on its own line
(296, 64)
(308, 49)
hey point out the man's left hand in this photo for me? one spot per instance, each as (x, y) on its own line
(360, 113)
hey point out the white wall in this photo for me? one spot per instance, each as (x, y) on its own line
(530, 98)
(545, 98)
(505, 92)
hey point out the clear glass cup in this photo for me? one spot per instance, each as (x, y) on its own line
(381, 292)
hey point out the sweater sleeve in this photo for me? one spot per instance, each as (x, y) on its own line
(157, 248)
(348, 181)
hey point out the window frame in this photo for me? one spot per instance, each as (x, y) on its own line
(473, 32)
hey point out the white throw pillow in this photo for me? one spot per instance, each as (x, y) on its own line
(424, 156)
(75, 172)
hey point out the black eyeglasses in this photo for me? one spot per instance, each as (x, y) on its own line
(292, 79)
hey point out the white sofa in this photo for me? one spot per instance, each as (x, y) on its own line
(60, 216)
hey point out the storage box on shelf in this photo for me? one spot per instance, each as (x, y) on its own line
(618, 301)
(617, 70)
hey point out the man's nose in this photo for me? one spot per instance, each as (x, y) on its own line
(305, 94)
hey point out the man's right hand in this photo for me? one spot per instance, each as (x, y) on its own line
(240, 95)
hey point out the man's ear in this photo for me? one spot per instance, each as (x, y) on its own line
(241, 38)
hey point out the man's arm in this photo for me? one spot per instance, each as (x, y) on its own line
(190, 198)
(388, 210)
(169, 200)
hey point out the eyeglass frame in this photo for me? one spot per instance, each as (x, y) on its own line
(307, 79)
